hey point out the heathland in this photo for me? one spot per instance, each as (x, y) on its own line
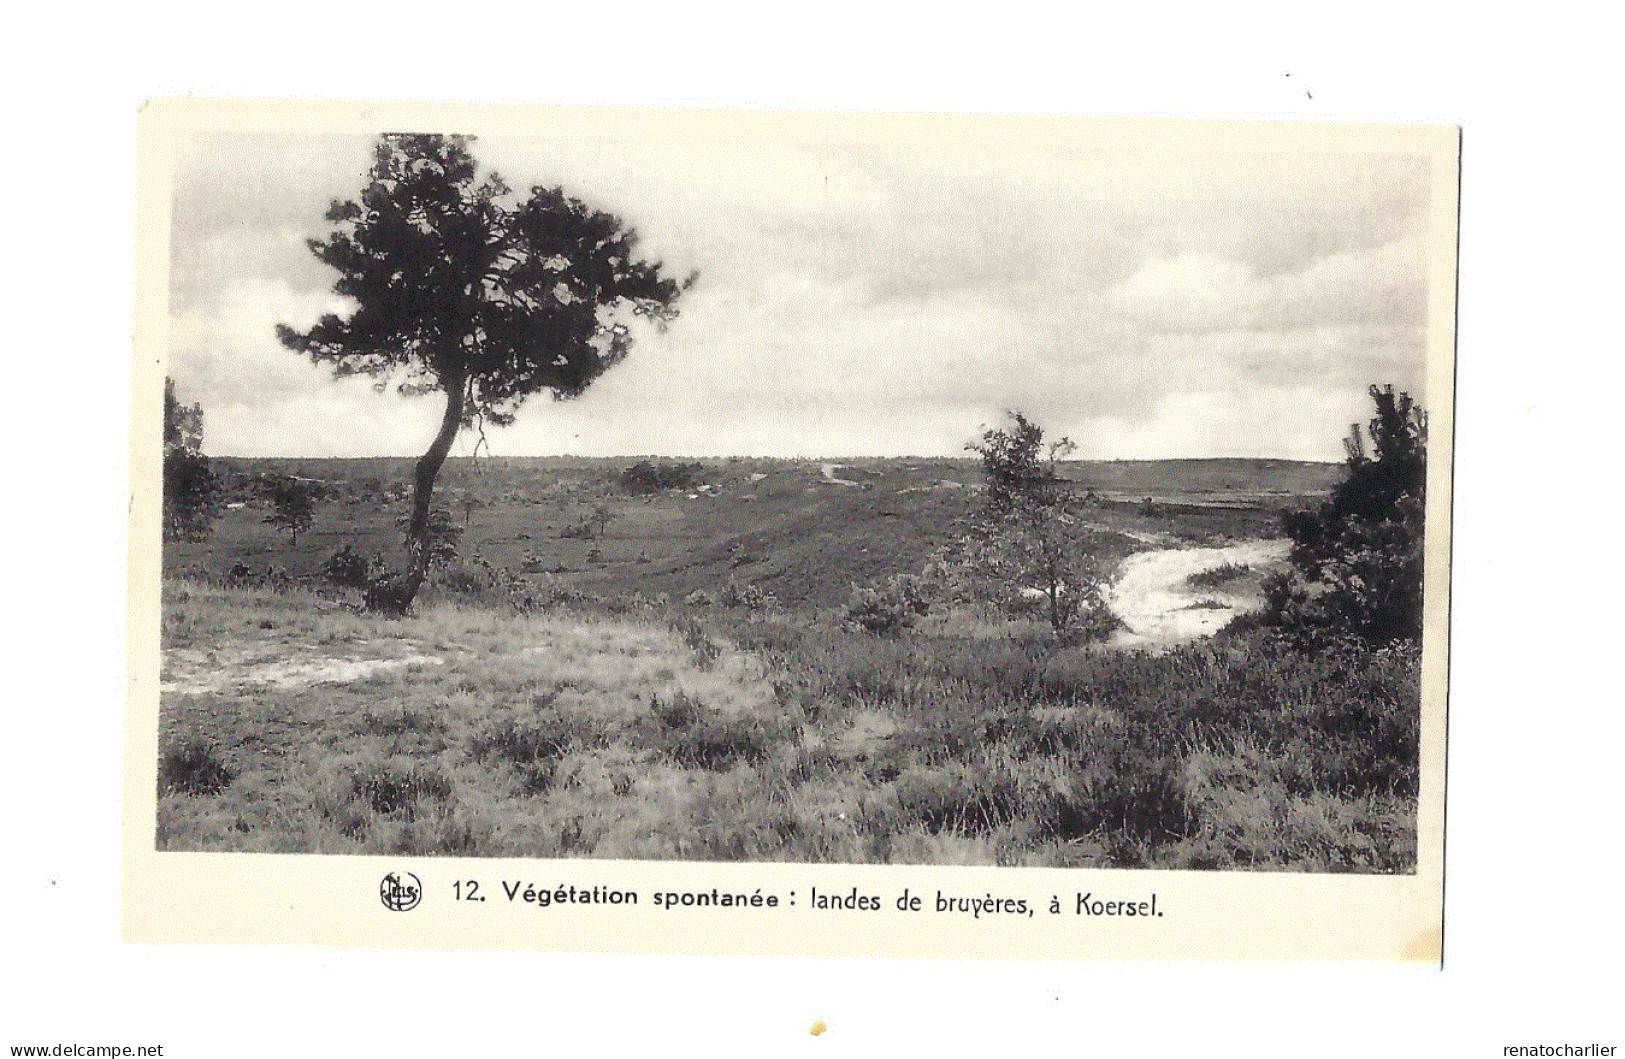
(662, 665)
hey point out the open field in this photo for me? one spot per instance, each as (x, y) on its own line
(614, 719)
(783, 525)
(292, 724)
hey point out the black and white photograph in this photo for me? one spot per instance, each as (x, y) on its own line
(893, 491)
(1019, 529)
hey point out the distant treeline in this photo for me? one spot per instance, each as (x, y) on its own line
(643, 478)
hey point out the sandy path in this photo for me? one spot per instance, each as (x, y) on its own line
(1152, 597)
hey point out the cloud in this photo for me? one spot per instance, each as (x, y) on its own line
(1215, 423)
(863, 297)
(1203, 292)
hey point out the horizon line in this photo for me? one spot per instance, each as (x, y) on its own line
(786, 459)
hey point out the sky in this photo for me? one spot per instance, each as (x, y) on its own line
(863, 296)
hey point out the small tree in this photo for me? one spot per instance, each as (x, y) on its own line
(293, 505)
(462, 288)
(191, 488)
(600, 519)
(1028, 538)
(1358, 560)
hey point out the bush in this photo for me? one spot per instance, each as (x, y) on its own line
(192, 490)
(681, 711)
(748, 595)
(889, 607)
(191, 495)
(644, 478)
(958, 798)
(1027, 538)
(471, 581)
(1358, 560)
(704, 649)
(274, 578)
(349, 568)
(194, 767)
(696, 736)
(534, 748)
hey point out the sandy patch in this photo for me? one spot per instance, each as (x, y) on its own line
(282, 667)
(1152, 597)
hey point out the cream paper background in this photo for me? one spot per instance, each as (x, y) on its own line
(333, 900)
(1533, 928)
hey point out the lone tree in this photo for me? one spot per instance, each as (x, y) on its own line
(600, 518)
(293, 505)
(1029, 537)
(465, 289)
(191, 488)
(1358, 560)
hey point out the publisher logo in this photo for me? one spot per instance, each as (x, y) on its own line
(400, 891)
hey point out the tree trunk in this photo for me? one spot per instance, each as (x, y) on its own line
(393, 593)
(429, 464)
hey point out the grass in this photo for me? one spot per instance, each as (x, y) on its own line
(775, 735)
(194, 767)
(773, 526)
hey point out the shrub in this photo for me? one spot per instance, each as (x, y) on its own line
(1358, 560)
(534, 747)
(749, 596)
(1028, 539)
(644, 477)
(705, 650)
(696, 736)
(958, 798)
(388, 788)
(1219, 575)
(349, 568)
(192, 490)
(274, 578)
(680, 711)
(477, 580)
(470, 580)
(194, 767)
(889, 607)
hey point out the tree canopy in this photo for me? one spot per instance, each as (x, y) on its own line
(463, 287)
(1029, 536)
(191, 488)
(293, 504)
(1358, 559)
